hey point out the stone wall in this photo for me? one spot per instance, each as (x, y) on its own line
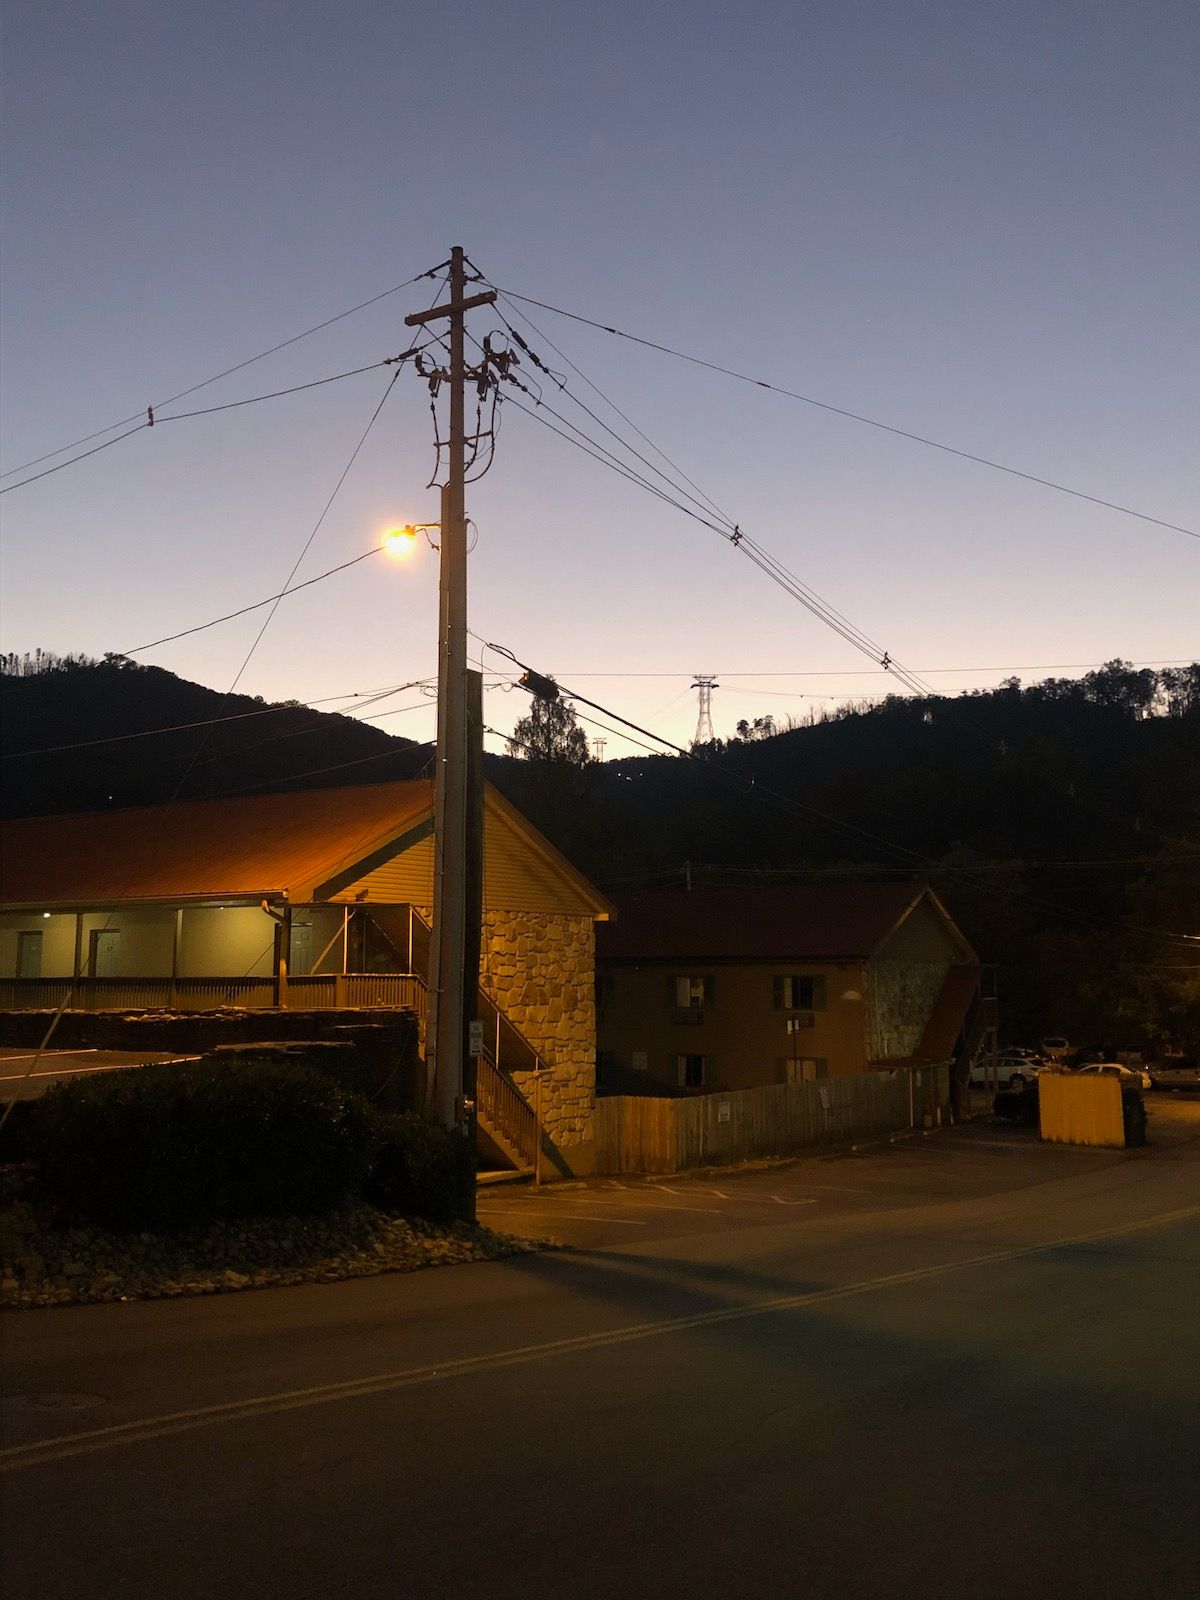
(540, 968)
(902, 996)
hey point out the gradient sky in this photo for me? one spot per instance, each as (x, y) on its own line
(975, 221)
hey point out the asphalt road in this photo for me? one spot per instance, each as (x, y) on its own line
(962, 1366)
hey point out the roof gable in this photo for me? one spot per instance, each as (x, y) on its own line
(313, 844)
(818, 922)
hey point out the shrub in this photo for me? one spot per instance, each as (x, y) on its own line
(169, 1147)
(421, 1170)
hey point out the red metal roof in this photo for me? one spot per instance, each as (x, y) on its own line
(822, 922)
(239, 845)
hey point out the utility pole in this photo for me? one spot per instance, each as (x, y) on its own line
(450, 982)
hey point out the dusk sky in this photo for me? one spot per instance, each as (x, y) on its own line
(974, 222)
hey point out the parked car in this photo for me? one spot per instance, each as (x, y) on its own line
(1055, 1046)
(1114, 1069)
(1175, 1072)
(1014, 1068)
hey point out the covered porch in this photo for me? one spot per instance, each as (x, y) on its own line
(201, 954)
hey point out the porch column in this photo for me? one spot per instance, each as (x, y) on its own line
(283, 937)
(176, 942)
(76, 974)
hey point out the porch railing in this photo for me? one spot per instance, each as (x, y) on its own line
(503, 1107)
(321, 992)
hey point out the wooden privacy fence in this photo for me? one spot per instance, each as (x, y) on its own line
(636, 1133)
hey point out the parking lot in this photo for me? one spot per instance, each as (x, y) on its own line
(974, 1160)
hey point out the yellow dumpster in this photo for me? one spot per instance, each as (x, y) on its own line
(1081, 1110)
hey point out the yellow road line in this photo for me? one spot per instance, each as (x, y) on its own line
(97, 1439)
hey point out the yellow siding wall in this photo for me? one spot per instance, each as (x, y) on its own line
(742, 1032)
(58, 942)
(515, 877)
(236, 942)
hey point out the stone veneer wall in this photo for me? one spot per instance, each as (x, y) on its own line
(540, 968)
(902, 996)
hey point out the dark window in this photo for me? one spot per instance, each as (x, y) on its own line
(692, 1071)
(798, 992)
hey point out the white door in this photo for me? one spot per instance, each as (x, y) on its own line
(105, 952)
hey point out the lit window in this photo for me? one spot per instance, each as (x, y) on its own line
(692, 993)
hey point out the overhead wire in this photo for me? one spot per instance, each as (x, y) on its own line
(228, 372)
(853, 416)
(779, 573)
(153, 420)
(242, 611)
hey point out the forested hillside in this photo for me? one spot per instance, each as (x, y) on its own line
(80, 714)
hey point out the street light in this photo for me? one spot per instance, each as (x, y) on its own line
(401, 542)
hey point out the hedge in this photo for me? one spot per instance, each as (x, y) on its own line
(420, 1170)
(164, 1148)
(175, 1146)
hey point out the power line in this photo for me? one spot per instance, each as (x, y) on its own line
(228, 616)
(227, 373)
(95, 450)
(345, 473)
(867, 672)
(153, 420)
(854, 416)
(774, 569)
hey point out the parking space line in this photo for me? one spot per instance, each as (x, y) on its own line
(568, 1216)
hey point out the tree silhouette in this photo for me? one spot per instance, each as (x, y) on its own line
(550, 733)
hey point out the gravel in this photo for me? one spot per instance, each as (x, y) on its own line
(47, 1264)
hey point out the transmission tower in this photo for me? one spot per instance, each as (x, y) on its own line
(598, 749)
(704, 727)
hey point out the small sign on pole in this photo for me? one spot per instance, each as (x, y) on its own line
(475, 1038)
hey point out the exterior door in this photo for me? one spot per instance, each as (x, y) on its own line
(29, 955)
(300, 963)
(104, 954)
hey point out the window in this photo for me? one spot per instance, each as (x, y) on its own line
(691, 1071)
(797, 992)
(692, 993)
(29, 955)
(801, 1069)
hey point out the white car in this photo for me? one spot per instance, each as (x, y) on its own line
(1114, 1069)
(1175, 1072)
(1013, 1070)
